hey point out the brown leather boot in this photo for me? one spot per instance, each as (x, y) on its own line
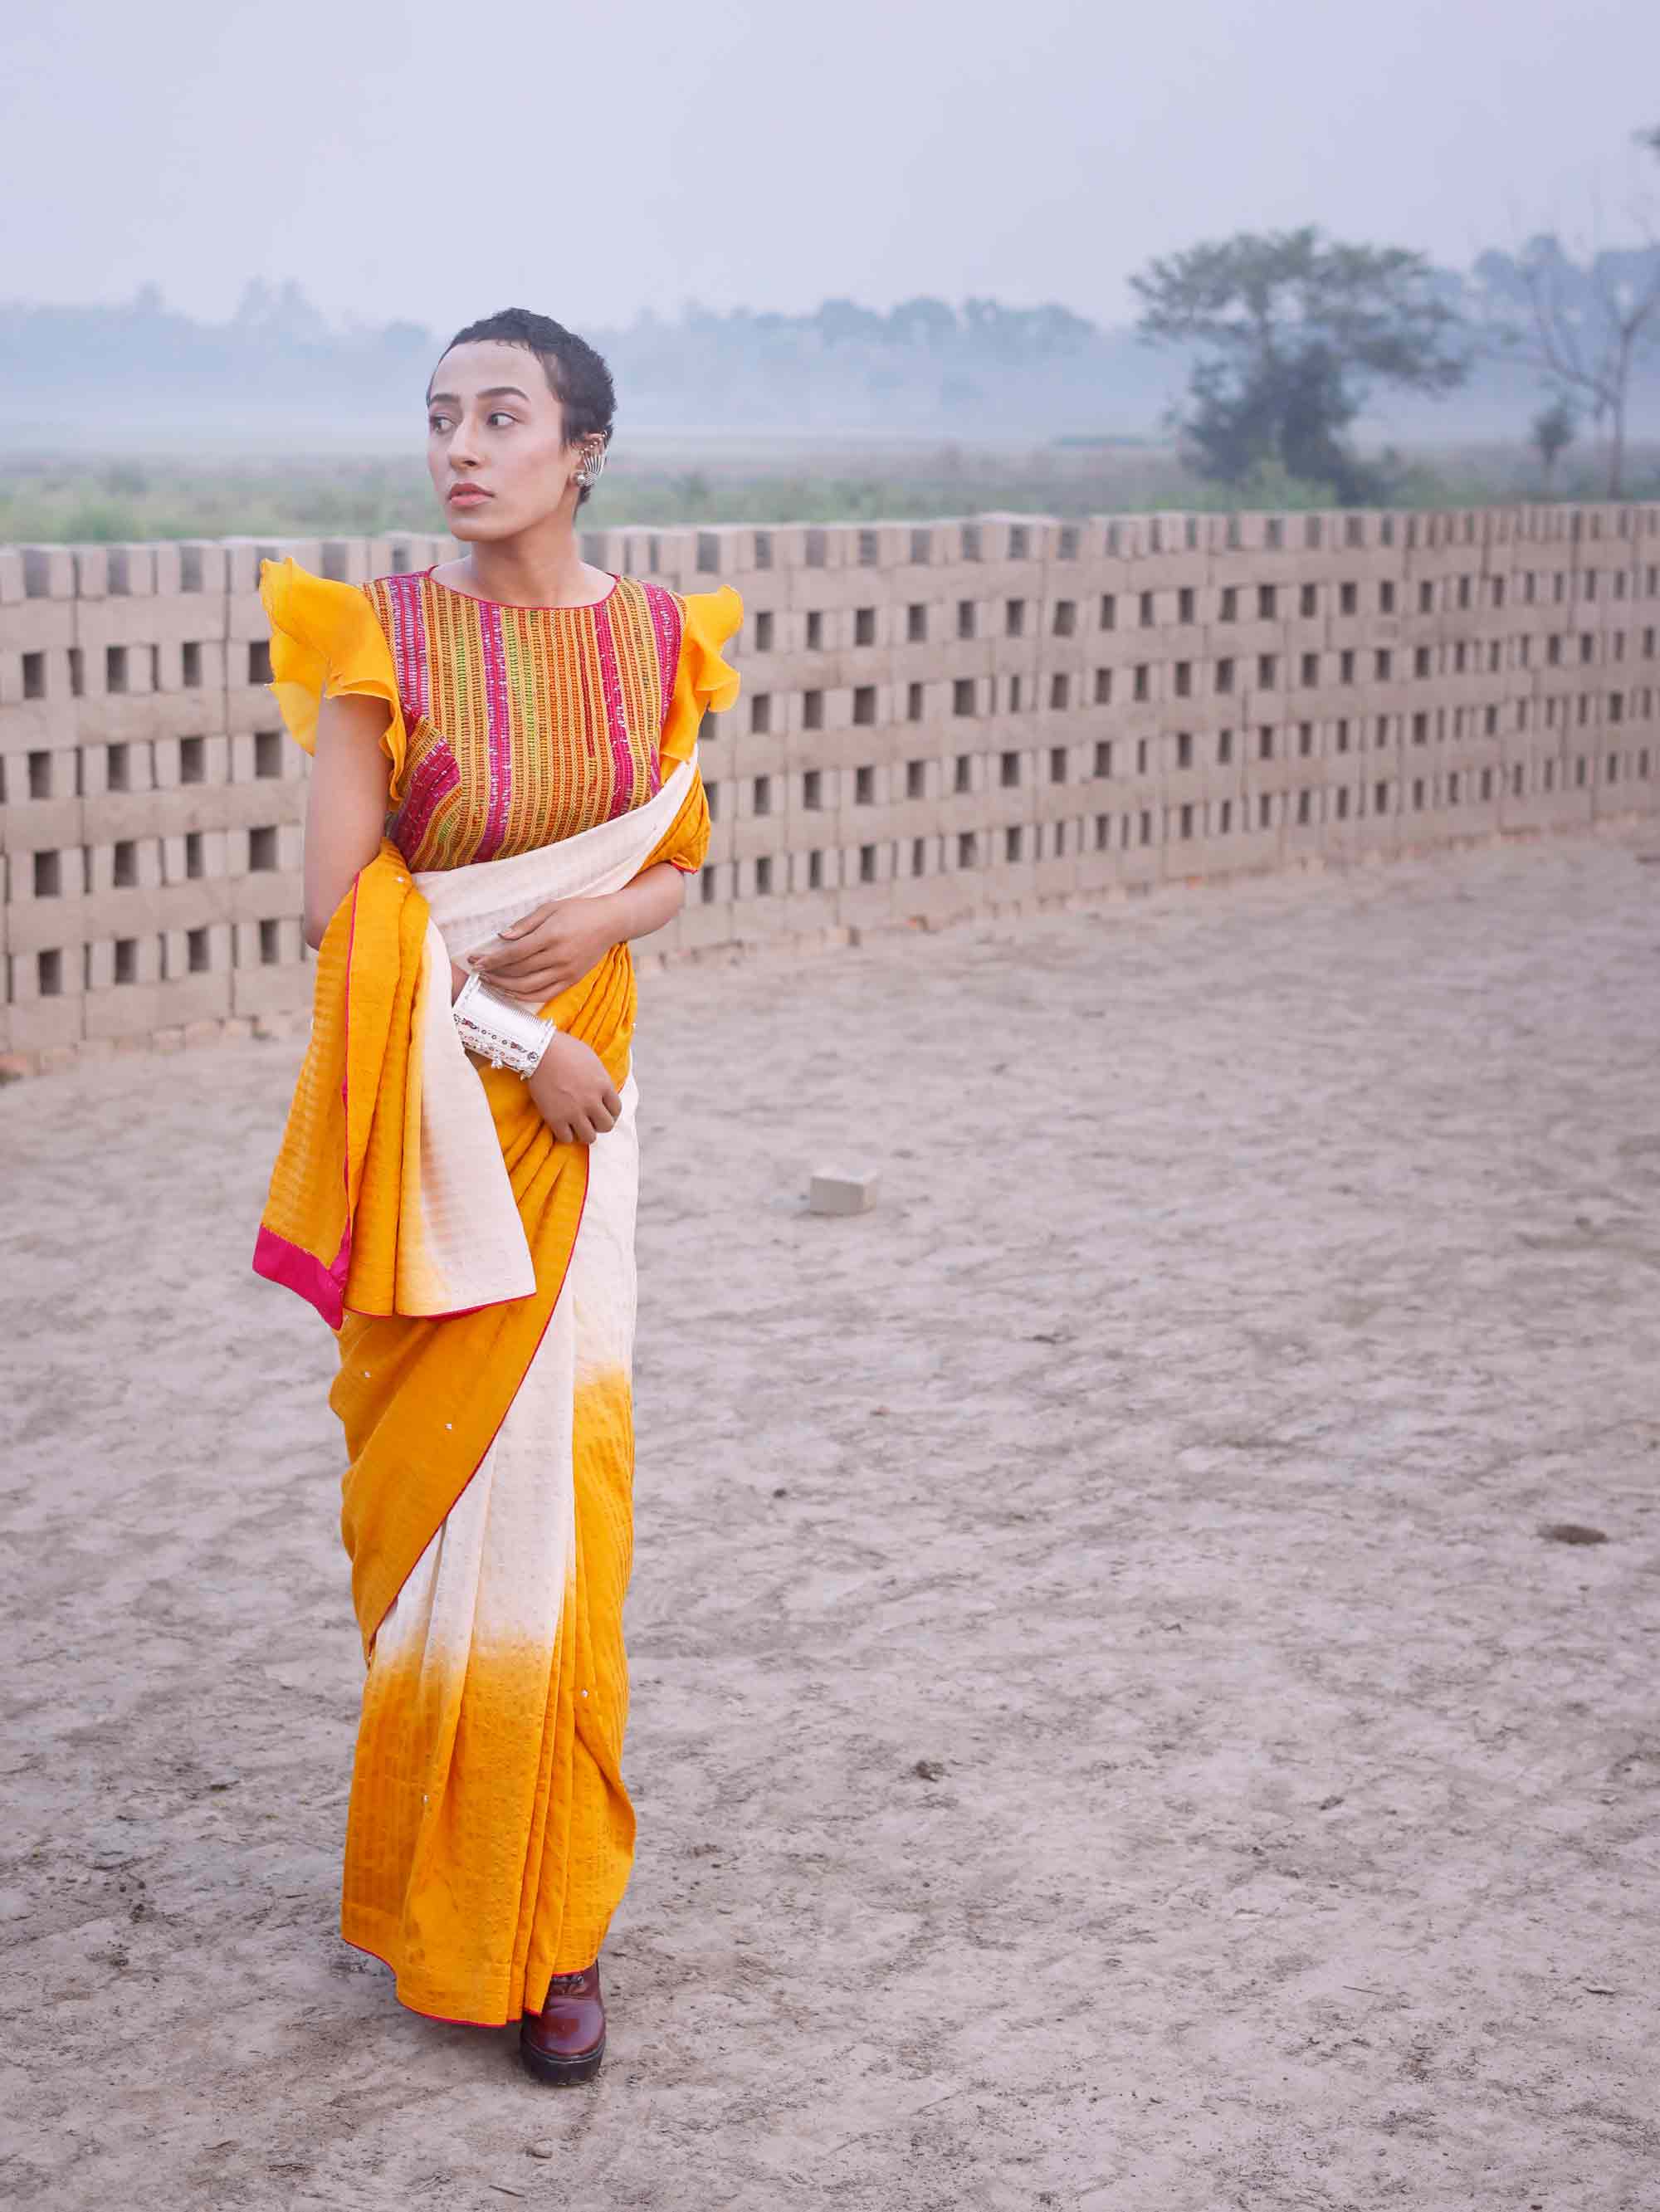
(566, 2040)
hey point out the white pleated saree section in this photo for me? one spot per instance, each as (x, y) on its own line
(471, 1249)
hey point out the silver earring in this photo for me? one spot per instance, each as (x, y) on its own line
(591, 469)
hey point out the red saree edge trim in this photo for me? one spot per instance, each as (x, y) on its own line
(295, 1269)
(345, 1072)
(276, 1258)
(553, 1307)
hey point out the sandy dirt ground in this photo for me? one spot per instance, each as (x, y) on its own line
(1110, 1727)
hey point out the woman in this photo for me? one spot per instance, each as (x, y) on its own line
(505, 792)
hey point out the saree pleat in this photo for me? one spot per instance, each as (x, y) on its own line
(487, 1508)
(490, 1835)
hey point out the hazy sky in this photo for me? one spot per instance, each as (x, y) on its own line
(439, 160)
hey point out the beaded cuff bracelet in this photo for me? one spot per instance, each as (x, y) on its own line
(502, 1031)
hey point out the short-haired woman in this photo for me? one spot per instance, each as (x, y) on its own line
(505, 792)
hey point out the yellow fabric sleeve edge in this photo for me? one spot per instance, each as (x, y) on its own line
(704, 682)
(326, 643)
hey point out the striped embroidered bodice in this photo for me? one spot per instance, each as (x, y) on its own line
(524, 723)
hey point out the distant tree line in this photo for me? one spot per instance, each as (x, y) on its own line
(980, 366)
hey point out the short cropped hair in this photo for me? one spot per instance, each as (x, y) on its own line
(577, 376)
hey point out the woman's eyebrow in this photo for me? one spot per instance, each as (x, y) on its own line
(489, 392)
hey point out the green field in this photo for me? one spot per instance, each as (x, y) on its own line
(82, 498)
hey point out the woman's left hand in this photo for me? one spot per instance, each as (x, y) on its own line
(544, 954)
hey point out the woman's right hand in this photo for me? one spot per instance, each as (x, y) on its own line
(574, 1095)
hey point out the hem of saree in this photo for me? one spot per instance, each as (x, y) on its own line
(294, 1269)
(447, 2019)
(364, 1921)
(541, 1335)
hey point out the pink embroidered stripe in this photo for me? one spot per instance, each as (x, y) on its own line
(409, 644)
(666, 629)
(616, 728)
(498, 727)
(436, 774)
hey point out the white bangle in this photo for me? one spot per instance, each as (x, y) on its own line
(502, 1031)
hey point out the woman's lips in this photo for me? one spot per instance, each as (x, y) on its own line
(467, 495)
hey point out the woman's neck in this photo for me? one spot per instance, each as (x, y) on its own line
(536, 571)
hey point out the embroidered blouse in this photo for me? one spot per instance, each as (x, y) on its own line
(512, 726)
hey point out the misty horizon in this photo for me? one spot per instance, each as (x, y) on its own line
(88, 378)
(239, 236)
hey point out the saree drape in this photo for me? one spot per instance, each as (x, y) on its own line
(480, 1275)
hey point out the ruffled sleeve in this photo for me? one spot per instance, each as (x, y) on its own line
(326, 644)
(703, 682)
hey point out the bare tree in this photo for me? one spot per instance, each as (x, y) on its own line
(1583, 325)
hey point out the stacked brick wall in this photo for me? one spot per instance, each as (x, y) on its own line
(938, 719)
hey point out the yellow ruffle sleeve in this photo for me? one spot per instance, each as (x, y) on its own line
(326, 644)
(703, 682)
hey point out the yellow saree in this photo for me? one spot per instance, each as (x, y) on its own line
(479, 1274)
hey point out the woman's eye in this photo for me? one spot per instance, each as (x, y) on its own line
(437, 421)
(498, 417)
